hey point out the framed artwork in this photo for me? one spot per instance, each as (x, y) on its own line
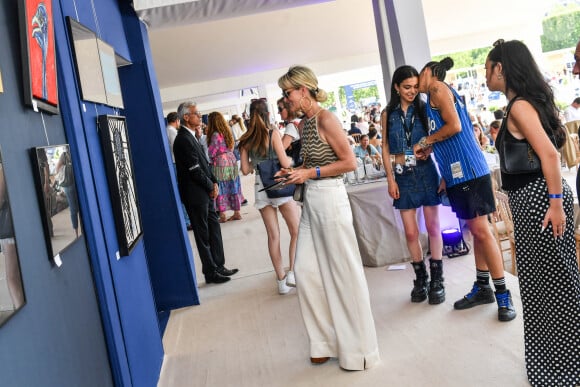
(110, 74)
(11, 289)
(121, 180)
(38, 55)
(57, 196)
(88, 62)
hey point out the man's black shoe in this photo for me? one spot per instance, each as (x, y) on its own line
(245, 202)
(216, 278)
(227, 272)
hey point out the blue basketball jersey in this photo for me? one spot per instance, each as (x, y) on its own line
(460, 158)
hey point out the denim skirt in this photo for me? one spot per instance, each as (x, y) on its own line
(418, 186)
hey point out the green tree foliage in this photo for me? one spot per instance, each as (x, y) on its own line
(330, 100)
(359, 94)
(560, 31)
(366, 92)
(467, 59)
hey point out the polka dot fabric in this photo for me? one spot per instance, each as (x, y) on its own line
(550, 288)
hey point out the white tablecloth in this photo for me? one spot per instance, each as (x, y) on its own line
(378, 225)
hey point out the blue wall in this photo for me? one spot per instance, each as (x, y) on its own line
(57, 338)
(168, 249)
(93, 321)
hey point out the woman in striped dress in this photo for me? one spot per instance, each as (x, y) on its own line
(332, 288)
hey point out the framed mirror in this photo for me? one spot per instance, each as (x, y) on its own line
(11, 289)
(88, 63)
(57, 196)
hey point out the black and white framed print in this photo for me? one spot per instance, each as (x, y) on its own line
(121, 180)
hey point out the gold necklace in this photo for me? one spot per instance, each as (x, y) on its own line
(315, 114)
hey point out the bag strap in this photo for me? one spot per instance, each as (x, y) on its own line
(270, 151)
(505, 119)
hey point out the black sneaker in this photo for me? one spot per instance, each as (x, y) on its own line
(479, 295)
(436, 292)
(419, 292)
(505, 306)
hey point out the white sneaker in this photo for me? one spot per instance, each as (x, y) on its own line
(290, 279)
(282, 287)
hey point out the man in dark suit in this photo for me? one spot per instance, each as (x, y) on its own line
(198, 188)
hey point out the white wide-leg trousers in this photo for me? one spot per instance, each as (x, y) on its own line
(332, 288)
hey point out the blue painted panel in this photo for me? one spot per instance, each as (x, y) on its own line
(124, 287)
(169, 252)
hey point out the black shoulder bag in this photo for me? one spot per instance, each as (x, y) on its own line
(516, 157)
(267, 169)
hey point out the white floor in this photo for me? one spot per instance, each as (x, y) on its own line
(245, 334)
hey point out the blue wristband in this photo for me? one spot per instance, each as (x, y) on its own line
(555, 196)
(318, 174)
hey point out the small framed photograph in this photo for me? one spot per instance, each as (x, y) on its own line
(57, 196)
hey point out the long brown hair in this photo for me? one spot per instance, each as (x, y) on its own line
(256, 138)
(217, 123)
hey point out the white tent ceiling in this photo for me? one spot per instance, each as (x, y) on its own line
(209, 47)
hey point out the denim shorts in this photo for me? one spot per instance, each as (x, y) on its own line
(418, 187)
(262, 200)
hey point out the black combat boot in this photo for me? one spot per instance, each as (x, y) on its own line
(436, 288)
(421, 284)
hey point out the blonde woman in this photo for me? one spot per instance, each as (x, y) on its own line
(332, 288)
(238, 127)
(253, 150)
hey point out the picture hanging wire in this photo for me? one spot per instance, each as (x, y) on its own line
(76, 11)
(44, 126)
(96, 19)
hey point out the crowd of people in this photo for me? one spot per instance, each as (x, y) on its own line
(432, 145)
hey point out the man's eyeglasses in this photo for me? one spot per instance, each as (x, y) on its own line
(195, 114)
(286, 93)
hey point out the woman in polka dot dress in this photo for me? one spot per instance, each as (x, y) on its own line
(542, 207)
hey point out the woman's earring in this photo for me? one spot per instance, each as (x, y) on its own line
(302, 107)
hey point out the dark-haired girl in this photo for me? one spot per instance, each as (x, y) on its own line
(468, 183)
(543, 213)
(413, 183)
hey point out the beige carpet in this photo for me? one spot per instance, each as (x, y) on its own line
(245, 334)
